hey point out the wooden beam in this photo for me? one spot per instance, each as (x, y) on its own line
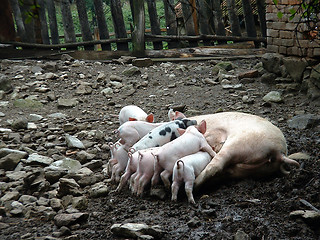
(138, 43)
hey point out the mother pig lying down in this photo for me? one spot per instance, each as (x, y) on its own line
(246, 145)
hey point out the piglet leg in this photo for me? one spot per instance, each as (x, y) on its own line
(188, 188)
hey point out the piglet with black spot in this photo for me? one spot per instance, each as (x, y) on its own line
(163, 134)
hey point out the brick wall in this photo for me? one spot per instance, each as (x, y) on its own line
(282, 36)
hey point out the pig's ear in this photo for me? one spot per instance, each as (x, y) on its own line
(150, 118)
(181, 131)
(132, 119)
(171, 114)
(202, 127)
(179, 115)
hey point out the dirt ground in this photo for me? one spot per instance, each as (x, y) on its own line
(260, 208)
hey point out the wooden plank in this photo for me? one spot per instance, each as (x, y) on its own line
(83, 18)
(18, 19)
(138, 43)
(7, 31)
(43, 22)
(69, 34)
(248, 18)
(118, 22)
(171, 21)
(154, 22)
(188, 20)
(102, 24)
(53, 21)
(217, 15)
(204, 20)
(233, 18)
(262, 17)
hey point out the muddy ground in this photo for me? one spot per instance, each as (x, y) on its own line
(260, 208)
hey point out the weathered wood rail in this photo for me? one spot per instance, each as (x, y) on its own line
(203, 21)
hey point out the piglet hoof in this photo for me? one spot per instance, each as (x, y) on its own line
(192, 202)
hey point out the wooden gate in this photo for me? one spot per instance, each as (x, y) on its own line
(183, 23)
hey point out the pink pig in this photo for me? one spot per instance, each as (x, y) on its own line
(113, 161)
(186, 170)
(132, 131)
(173, 115)
(190, 142)
(121, 155)
(246, 145)
(144, 171)
(134, 113)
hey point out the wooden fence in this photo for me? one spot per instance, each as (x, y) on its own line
(203, 22)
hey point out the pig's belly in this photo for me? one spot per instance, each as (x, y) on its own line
(252, 137)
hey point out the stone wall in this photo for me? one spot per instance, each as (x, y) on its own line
(282, 36)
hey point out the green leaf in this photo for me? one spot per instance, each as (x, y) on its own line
(275, 2)
(280, 15)
(293, 11)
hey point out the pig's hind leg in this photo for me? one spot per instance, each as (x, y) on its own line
(188, 186)
(175, 189)
(165, 175)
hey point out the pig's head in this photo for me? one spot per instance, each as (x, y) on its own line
(202, 127)
(184, 123)
(149, 118)
(173, 115)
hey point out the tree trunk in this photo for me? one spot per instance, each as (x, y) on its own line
(171, 21)
(233, 17)
(18, 19)
(53, 21)
(154, 22)
(43, 22)
(248, 18)
(83, 18)
(102, 24)
(69, 34)
(262, 16)
(118, 22)
(138, 42)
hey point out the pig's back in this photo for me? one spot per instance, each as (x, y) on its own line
(248, 129)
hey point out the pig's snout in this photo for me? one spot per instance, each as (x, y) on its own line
(287, 161)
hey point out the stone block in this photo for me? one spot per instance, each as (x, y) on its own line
(273, 48)
(272, 33)
(316, 52)
(282, 50)
(286, 34)
(279, 25)
(287, 42)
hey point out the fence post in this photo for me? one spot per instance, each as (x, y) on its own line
(69, 34)
(102, 24)
(204, 20)
(118, 23)
(43, 22)
(188, 21)
(154, 22)
(233, 17)
(248, 18)
(262, 17)
(53, 21)
(83, 18)
(217, 15)
(29, 26)
(18, 19)
(138, 42)
(171, 20)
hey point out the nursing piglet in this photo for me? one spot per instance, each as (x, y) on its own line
(163, 134)
(134, 113)
(190, 142)
(121, 155)
(186, 170)
(132, 131)
(113, 161)
(173, 115)
(144, 171)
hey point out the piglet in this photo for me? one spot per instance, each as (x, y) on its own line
(186, 170)
(113, 161)
(173, 115)
(134, 113)
(132, 131)
(144, 171)
(121, 155)
(162, 134)
(190, 142)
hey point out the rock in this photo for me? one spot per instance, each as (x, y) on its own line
(194, 222)
(36, 159)
(310, 216)
(313, 92)
(142, 62)
(134, 230)
(241, 235)
(66, 57)
(67, 103)
(80, 203)
(27, 199)
(20, 123)
(107, 92)
(129, 72)
(235, 86)
(68, 187)
(35, 117)
(295, 67)
(83, 89)
(315, 75)
(65, 219)
(304, 121)
(84, 156)
(268, 78)
(14, 195)
(10, 158)
(115, 78)
(158, 193)
(53, 175)
(65, 164)
(94, 164)
(56, 204)
(57, 115)
(273, 96)
(248, 74)
(5, 84)
(73, 142)
(299, 156)
(27, 103)
(272, 62)
(225, 65)
(99, 190)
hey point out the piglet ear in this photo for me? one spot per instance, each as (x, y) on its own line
(202, 127)
(150, 118)
(132, 119)
(179, 115)
(181, 131)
